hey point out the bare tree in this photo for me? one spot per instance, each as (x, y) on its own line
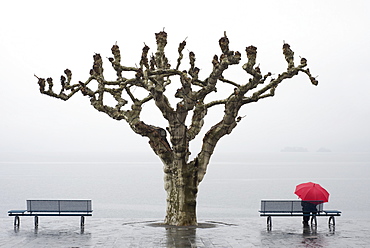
(171, 144)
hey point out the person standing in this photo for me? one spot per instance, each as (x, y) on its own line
(307, 209)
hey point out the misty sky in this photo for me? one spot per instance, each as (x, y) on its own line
(46, 37)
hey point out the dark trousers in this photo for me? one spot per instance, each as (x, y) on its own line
(306, 216)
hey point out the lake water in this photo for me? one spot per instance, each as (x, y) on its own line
(232, 187)
(127, 194)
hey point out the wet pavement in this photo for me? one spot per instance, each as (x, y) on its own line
(248, 232)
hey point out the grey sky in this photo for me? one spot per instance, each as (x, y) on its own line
(46, 37)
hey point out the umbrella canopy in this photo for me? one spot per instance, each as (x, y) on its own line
(311, 192)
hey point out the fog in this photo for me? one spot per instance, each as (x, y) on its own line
(46, 37)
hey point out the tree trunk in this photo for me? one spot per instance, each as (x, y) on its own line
(181, 185)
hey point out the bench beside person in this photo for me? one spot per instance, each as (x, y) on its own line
(286, 208)
(38, 208)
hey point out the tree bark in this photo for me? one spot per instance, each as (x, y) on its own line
(182, 188)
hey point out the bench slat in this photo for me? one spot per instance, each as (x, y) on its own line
(59, 206)
(285, 206)
(17, 211)
(292, 208)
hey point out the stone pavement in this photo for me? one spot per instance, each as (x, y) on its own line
(248, 232)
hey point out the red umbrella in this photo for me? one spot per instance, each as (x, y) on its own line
(311, 192)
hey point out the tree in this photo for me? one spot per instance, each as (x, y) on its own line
(154, 75)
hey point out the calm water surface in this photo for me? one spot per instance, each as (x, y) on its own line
(232, 188)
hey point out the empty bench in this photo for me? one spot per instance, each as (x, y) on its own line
(38, 208)
(293, 208)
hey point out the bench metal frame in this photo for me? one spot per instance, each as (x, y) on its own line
(286, 208)
(38, 208)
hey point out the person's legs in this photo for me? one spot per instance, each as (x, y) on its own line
(306, 218)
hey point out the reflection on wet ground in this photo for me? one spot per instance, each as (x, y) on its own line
(307, 237)
(248, 232)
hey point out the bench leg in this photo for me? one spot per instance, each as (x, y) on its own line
(269, 223)
(36, 221)
(331, 221)
(313, 220)
(82, 220)
(17, 221)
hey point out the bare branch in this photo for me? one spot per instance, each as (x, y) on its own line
(180, 49)
(228, 81)
(249, 68)
(160, 59)
(289, 55)
(227, 58)
(193, 71)
(144, 58)
(197, 123)
(217, 102)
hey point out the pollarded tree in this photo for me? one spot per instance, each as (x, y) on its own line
(171, 143)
